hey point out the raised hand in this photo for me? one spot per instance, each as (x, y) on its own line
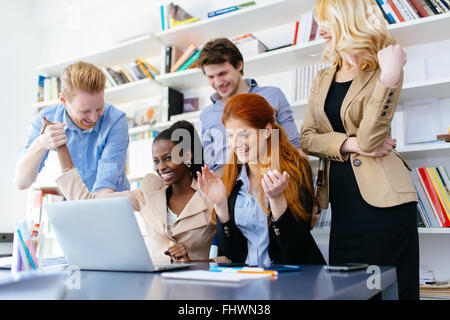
(53, 135)
(211, 186)
(391, 61)
(274, 183)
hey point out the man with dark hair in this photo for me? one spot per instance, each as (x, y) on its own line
(223, 65)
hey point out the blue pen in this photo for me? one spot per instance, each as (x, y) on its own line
(26, 250)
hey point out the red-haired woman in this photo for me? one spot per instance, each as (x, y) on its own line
(264, 201)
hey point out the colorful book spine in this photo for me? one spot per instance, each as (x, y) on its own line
(222, 11)
(436, 204)
(294, 42)
(190, 61)
(442, 193)
(396, 11)
(419, 8)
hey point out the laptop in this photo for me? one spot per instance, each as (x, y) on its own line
(102, 234)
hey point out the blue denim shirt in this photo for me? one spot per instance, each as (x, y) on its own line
(252, 221)
(213, 131)
(99, 154)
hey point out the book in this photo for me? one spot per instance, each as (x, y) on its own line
(426, 7)
(440, 190)
(445, 178)
(190, 105)
(433, 7)
(40, 93)
(403, 10)
(314, 30)
(175, 23)
(434, 199)
(176, 15)
(219, 12)
(386, 14)
(412, 11)
(396, 11)
(305, 26)
(183, 58)
(190, 61)
(388, 10)
(144, 69)
(424, 202)
(171, 55)
(171, 102)
(294, 42)
(419, 8)
(441, 6)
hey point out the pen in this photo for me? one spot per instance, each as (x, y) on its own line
(243, 270)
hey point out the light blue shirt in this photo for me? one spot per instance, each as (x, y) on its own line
(252, 221)
(99, 154)
(213, 131)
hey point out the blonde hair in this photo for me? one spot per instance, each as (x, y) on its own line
(81, 76)
(357, 27)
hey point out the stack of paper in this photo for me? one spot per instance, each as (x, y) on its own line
(214, 276)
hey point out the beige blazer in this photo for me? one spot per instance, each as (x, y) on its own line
(193, 228)
(366, 113)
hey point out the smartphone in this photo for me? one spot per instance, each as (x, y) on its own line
(347, 267)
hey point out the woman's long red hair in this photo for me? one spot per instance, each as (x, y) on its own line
(257, 113)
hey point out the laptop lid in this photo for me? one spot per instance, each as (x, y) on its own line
(100, 234)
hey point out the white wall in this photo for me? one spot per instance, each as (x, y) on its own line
(17, 94)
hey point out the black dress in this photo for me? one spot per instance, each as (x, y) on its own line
(364, 233)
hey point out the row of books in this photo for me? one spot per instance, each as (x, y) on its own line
(173, 15)
(396, 11)
(49, 88)
(129, 72)
(302, 79)
(306, 29)
(176, 59)
(140, 160)
(433, 185)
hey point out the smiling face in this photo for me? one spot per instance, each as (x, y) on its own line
(224, 78)
(166, 167)
(85, 108)
(246, 142)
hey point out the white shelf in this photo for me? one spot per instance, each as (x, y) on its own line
(144, 46)
(423, 30)
(420, 147)
(135, 90)
(434, 230)
(326, 231)
(182, 80)
(247, 20)
(435, 88)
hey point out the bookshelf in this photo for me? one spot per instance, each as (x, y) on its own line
(119, 53)
(253, 19)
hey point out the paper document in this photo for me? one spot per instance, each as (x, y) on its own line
(214, 276)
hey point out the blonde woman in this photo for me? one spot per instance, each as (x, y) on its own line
(347, 125)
